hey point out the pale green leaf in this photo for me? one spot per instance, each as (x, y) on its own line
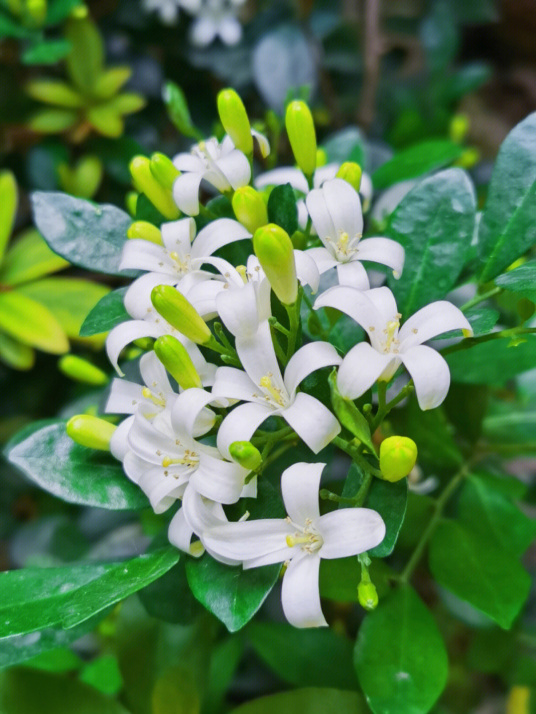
(29, 258)
(31, 323)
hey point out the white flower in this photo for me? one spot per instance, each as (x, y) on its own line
(301, 540)
(168, 10)
(215, 18)
(335, 210)
(376, 311)
(268, 393)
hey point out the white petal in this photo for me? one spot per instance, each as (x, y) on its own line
(350, 531)
(188, 162)
(137, 300)
(238, 309)
(203, 297)
(344, 205)
(282, 175)
(178, 235)
(124, 397)
(306, 360)
(186, 192)
(151, 444)
(219, 480)
(323, 259)
(384, 301)
(201, 513)
(325, 173)
(300, 594)
(299, 486)
(124, 334)
(119, 442)
(154, 375)
(162, 489)
(356, 304)
(384, 251)
(262, 141)
(141, 254)
(312, 421)
(234, 384)
(186, 410)
(230, 30)
(307, 270)
(236, 169)
(258, 357)
(430, 374)
(203, 31)
(217, 234)
(180, 532)
(353, 274)
(241, 424)
(247, 540)
(321, 216)
(430, 321)
(362, 366)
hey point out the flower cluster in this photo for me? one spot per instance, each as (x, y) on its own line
(201, 442)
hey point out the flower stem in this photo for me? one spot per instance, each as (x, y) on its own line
(481, 298)
(469, 342)
(293, 312)
(354, 452)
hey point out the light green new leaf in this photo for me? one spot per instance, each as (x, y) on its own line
(29, 258)
(37, 598)
(52, 91)
(126, 103)
(74, 473)
(8, 208)
(489, 579)
(106, 120)
(85, 62)
(508, 225)
(15, 354)
(309, 701)
(31, 323)
(53, 121)
(417, 160)
(435, 224)
(400, 657)
(520, 280)
(111, 81)
(493, 362)
(107, 313)
(88, 235)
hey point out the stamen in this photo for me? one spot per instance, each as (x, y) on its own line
(157, 401)
(242, 271)
(391, 331)
(275, 393)
(189, 459)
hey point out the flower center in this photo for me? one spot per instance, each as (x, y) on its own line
(242, 271)
(158, 401)
(306, 537)
(274, 394)
(182, 264)
(345, 247)
(190, 459)
(390, 343)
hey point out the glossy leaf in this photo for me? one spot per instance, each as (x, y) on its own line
(489, 579)
(435, 224)
(29, 258)
(107, 313)
(520, 280)
(282, 208)
(508, 225)
(31, 323)
(170, 599)
(83, 233)
(309, 701)
(400, 657)
(298, 656)
(492, 362)
(74, 473)
(416, 161)
(37, 598)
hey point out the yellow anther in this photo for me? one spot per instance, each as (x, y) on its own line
(391, 331)
(267, 384)
(157, 401)
(187, 460)
(197, 549)
(297, 540)
(242, 271)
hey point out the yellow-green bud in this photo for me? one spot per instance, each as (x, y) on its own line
(519, 700)
(249, 208)
(351, 173)
(367, 595)
(302, 136)
(275, 252)
(145, 231)
(180, 314)
(145, 182)
(82, 371)
(91, 431)
(469, 158)
(163, 170)
(235, 120)
(177, 361)
(37, 12)
(459, 126)
(245, 454)
(131, 201)
(321, 157)
(398, 455)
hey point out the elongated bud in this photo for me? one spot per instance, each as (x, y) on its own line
(180, 314)
(249, 208)
(145, 231)
(177, 361)
(82, 371)
(367, 595)
(245, 454)
(145, 182)
(235, 120)
(131, 201)
(398, 455)
(275, 252)
(91, 431)
(351, 173)
(163, 170)
(302, 136)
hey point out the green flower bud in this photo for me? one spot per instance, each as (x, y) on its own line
(145, 231)
(398, 455)
(351, 173)
(91, 431)
(469, 158)
(180, 314)
(275, 252)
(235, 120)
(367, 595)
(82, 371)
(131, 201)
(177, 361)
(249, 208)
(163, 170)
(459, 126)
(145, 182)
(321, 157)
(302, 136)
(37, 12)
(245, 454)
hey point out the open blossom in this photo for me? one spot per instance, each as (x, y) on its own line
(300, 540)
(268, 393)
(167, 10)
(335, 210)
(214, 18)
(392, 345)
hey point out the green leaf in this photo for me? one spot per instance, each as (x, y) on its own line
(107, 313)
(111, 81)
(169, 598)
(53, 121)
(482, 319)
(299, 656)
(224, 662)
(175, 692)
(349, 415)
(400, 656)
(8, 208)
(388, 499)
(495, 517)
(340, 577)
(58, 10)
(282, 208)
(85, 62)
(58, 660)
(31, 323)
(25, 691)
(15, 354)
(309, 701)
(29, 258)
(493, 362)
(103, 674)
(346, 145)
(37, 598)
(46, 52)
(68, 299)
(508, 225)
(417, 160)
(178, 112)
(74, 473)
(520, 280)
(511, 424)
(10, 28)
(83, 233)
(486, 577)
(435, 224)
(106, 120)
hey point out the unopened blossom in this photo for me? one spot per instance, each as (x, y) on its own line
(391, 345)
(300, 540)
(335, 210)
